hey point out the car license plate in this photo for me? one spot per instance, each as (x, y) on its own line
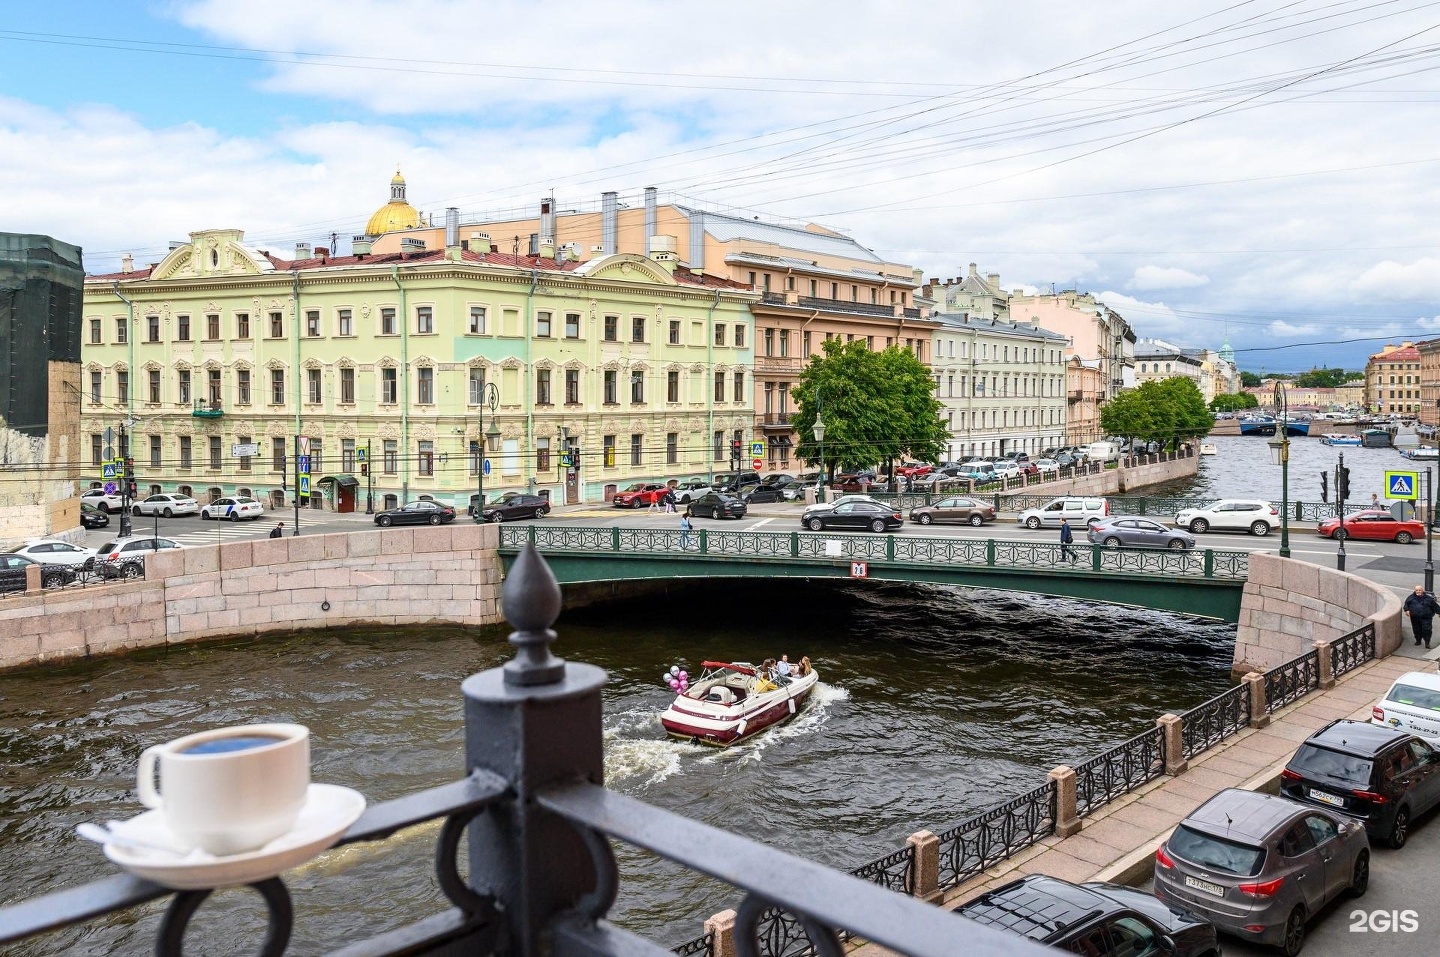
(1206, 886)
(1324, 798)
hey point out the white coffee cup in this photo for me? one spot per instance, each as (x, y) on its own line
(229, 790)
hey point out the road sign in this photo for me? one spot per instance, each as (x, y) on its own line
(107, 470)
(757, 449)
(304, 486)
(109, 451)
(302, 443)
(109, 436)
(757, 464)
(859, 569)
(485, 467)
(304, 466)
(245, 450)
(1402, 485)
(360, 455)
(111, 488)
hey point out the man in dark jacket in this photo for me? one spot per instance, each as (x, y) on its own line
(1420, 608)
(1066, 538)
(278, 530)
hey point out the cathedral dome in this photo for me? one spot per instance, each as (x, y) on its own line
(396, 214)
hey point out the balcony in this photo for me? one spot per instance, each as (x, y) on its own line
(842, 305)
(782, 364)
(207, 410)
(774, 420)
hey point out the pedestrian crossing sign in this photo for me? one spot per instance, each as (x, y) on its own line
(1402, 485)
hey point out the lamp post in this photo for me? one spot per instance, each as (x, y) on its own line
(819, 430)
(490, 397)
(1280, 455)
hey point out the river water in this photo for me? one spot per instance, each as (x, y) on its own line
(935, 702)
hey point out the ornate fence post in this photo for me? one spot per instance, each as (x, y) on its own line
(926, 865)
(721, 927)
(535, 721)
(1259, 712)
(1172, 732)
(1325, 669)
(1067, 818)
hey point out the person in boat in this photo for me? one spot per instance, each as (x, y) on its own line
(782, 667)
(804, 667)
(763, 678)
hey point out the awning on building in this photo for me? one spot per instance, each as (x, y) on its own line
(349, 481)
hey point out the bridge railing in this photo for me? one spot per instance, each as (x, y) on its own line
(1154, 506)
(880, 548)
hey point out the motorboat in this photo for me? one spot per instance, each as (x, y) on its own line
(730, 702)
(1208, 448)
(1423, 453)
(1336, 438)
(1257, 425)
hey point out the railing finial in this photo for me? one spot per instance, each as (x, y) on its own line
(531, 601)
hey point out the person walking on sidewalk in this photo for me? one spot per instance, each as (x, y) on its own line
(1420, 608)
(685, 528)
(278, 531)
(1067, 539)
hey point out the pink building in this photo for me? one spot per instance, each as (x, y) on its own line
(1096, 332)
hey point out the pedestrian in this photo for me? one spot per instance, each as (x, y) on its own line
(670, 501)
(1067, 539)
(685, 527)
(1420, 608)
(278, 531)
(1374, 500)
(654, 503)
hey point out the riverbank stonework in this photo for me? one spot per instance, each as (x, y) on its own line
(445, 575)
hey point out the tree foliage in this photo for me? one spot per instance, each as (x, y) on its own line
(1168, 411)
(1326, 378)
(1249, 380)
(877, 407)
(1234, 402)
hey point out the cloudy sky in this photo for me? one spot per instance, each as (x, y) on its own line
(1260, 168)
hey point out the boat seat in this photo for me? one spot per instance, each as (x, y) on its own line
(721, 695)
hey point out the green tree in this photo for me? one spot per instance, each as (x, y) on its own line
(1249, 380)
(1167, 411)
(920, 432)
(1234, 402)
(1185, 407)
(1326, 378)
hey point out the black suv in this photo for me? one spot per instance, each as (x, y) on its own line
(716, 505)
(1382, 776)
(1097, 920)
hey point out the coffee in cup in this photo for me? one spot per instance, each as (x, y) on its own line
(229, 790)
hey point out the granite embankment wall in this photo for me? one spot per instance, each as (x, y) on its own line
(450, 574)
(1130, 475)
(1288, 605)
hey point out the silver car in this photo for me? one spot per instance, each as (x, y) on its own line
(1139, 532)
(1260, 866)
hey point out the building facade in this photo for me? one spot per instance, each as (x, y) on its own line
(1084, 392)
(630, 365)
(1096, 332)
(1392, 380)
(1157, 360)
(1001, 385)
(1429, 351)
(970, 295)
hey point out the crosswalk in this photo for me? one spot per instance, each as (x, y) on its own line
(211, 533)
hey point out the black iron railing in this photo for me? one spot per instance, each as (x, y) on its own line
(704, 945)
(995, 834)
(1206, 725)
(1292, 680)
(1350, 652)
(93, 572)
(1119, 771)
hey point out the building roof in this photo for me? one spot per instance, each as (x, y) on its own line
(963, 322)
(810, 266)
(1405, 353)
(396, 214)
(727, 228)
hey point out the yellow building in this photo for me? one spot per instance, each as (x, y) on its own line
(1392, 380)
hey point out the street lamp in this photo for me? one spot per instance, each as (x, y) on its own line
(1280, 455)
(490, 397)
(819, 430)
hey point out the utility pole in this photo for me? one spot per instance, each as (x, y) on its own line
(1342, 487)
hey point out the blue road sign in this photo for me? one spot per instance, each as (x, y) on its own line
(111, 488)
(1402, 485)
(108, 470)
(304, 486)
(485, 467)
(304, 463)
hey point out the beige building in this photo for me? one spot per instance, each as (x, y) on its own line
(1157, 360)
(1429, 381)
(970, 295)
(1084, 391)
(1392, 380)
(1096, 332)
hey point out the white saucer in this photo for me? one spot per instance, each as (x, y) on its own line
(328, 811)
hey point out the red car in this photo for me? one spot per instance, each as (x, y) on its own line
(914, 469)
(639, 495)
(1373, 524)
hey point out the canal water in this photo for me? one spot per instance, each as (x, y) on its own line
(935, 702)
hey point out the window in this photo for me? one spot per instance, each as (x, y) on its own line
(154, 451)
(719, 333)
(184, 387)
(784, 397)
(427, 458)
(719, 445)
(542, 455)
(215, 452)
(182, 328)
(389, 388)
(739, 390)
(637, 449)
(542, 324)
(637, 386)
(277, 325)
(95, 379)
(477, 385)
(805, 344)
(95, 331)
(185, 458)
(347, 455)
(347, 385)
(542, 387)
(572, 325)
(312, 385)
(609, 451)
(739, 335)
(637, 329)
(212, 327)
(277, 386)
(610, 387)
(425, 385)
(346, 322)
(672, 448)
(242, 325)
(244, 459)
(814, 290)
(387, 321)
(612, 328)
(154, 385)
(96, 442)
(424, 320)
(122, 331)
(390, 457)
(769, 397)
(277, 455)
(719, 387)
(672, 386)
(242, 387)
(770, 341)
(572, 386)
(477, 320)
(674, 332)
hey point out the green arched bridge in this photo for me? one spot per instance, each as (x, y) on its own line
(1198, 582)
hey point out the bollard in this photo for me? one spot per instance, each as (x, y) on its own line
(1067, 818)
(1259, 713)
(927, 866)
(1325, 673)
(1172, 731)
(33, 581)
(721, 927)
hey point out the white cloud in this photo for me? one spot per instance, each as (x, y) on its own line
(1282, 328)
(1165, 277)
(1393, 281)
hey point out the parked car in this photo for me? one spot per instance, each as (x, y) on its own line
(795, 490)
(423, 512)
(964, 511)
(1018, 458)
(734, 481)
(515, 505)
(1260, 866)
(776, 479)
(102, 500)
(978, 470)
(717, 505)
(92, 516)
(1372, 524)
(1079, 511)
(52, 551)
(1096, 920)
(1067, 460)
(13, 573)
(1412, 705)
(1047, 466)
(852, 514)
(690, 490)
(1006, 469)
(914, 469)
(1137, 532)
(1230, 515)
(639, 495)
(234, 509)
(1383, 777)
(167, 505)
(125, 557)
(759, 494)
(1101, 452)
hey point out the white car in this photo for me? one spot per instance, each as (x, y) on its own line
(105, 502)
(1007, 469)
(1047, 465)
(50, 551)
(686, 492)
(1079, 511)
(125, 557)
(167, 505)
(1230, 515)
(1412, 705)
(232, 508)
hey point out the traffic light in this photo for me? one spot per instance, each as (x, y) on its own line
(735, 448)
(1325, 486)
(1342, 485)
(364, 469)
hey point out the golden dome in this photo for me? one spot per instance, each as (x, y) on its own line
(396, 214)
(397, 179)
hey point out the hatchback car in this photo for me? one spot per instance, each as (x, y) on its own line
(92, 516)
(234, 509)
(515, 505)
(1079, 511)
(167, 505)
(1413, 705)
(759, 494)
(14, 572)
(961, 511)
(422, 512)
(125, 557)
(717, 505)
(1382, 777)
(1260, 866)
(639, 495)
(687, 492)
(1137, 532)
(1230, 515)
(50, 551)
(1096, 920)
(1372, 524)
(853, 514)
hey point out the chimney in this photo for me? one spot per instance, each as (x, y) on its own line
(322, 253)
(973, 272)
(452, 227)
(662, 250)
(994, 280)
(547, 223)
(697, 242)
(547, 246)
(411, 244)
(650, 194)
(609, 212)
(127, 263)
(361, 245)
(302, 250)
